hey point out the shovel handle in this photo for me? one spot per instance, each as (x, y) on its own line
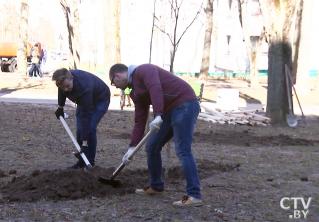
(141, 143)
(138, 147)
(66, 127)
(293, 87)
(288, 87)
(117, 171)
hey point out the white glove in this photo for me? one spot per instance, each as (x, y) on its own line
(126, 158)
(156, 123)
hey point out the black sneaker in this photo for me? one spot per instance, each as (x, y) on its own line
(78, 165)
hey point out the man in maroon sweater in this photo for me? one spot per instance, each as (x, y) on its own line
(175, 109)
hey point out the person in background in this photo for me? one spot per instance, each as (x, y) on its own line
(35, 61)
(43, 60)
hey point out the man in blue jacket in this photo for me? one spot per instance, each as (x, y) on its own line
(92, 97)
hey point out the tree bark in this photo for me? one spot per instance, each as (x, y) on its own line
(278, 28)
(208, 38)
(296, 40)
(152, 32)
(304, 82)
(71, 12)
(76, 34)
(171, 65)
(117, 31)
(279, 54)
(23, 38)
(252, 42)
(112, 32)
(292, 31)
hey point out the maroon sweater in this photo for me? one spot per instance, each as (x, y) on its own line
(152, 85)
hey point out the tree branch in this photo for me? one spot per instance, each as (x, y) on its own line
(185, 30)
(164, 32)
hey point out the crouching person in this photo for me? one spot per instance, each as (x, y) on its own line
(175, 110)
(92, 97)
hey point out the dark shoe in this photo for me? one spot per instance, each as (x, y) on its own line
(148, 191)
(78, 165)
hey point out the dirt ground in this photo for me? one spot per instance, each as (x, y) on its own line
(244, 171)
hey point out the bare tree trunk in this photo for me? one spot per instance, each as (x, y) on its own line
(176, 10)
(279, 54)
(71, 12)
(152, 33)
(291, 31)
(254, 49)
(76, 34)
(304, 82)
(173, 36)
(208, 38)
(252, 42)
(171, 65)
(23, 38)
(117, 31)
(276, 93)
(112, 32)
(296, 40)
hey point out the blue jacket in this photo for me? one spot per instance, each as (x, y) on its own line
(87, 91)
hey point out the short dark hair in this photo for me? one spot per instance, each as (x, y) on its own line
(60, 75)
(117, 68)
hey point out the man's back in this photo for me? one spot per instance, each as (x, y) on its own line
(156, 86)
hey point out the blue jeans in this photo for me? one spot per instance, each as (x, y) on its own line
(179, 123)
(96, 115)
(35, 70)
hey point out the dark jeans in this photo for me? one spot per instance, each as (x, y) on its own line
(34, 70)
(179, 123)
(96, 115)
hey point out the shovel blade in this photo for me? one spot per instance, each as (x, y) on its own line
(111, 182)
(292, 120)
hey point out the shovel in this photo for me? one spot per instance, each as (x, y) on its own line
(115, 183)
(290, 81)
(292, 121)
(77, 146)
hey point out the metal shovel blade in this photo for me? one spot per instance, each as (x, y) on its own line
(112, 182)
(292, 121)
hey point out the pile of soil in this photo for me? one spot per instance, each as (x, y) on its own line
(64, 184)
(74, 184)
